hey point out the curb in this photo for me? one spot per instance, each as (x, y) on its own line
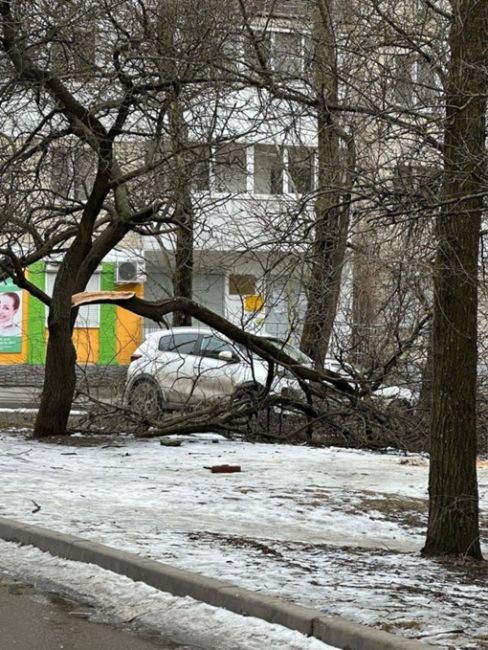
(333, 630)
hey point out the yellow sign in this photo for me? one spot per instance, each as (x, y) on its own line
(253, 303)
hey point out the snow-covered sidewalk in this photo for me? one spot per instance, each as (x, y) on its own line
(334, 529)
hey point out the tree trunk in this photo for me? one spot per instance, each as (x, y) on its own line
(59, 380)
(364, 301)
(183, 165)
(453, 527)
(59, 375)
(183, 171)
(331, 218)
(327, 259)
(183, 274)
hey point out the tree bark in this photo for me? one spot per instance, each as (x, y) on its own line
(453, 526)
(60, 380)
(182, 167)
(331, 216)
(364, 301)
(183, 273)
(59, 373)
(182, 176)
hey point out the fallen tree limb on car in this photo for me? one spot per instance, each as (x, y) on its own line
(156, 310)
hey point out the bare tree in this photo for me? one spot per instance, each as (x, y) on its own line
(334, 182)
(453, 511)
(145, 85)
(91, 107)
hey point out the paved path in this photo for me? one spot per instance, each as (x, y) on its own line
(31, 620)
(19, 397)
(28, 397)
(332, 630)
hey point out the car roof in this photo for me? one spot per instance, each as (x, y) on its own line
(181, 330)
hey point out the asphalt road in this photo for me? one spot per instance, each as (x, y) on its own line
(19, 405)
(14, 397)
(32, 620)
(19, 397)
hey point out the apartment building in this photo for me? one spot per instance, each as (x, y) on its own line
(251, 188)
(243, 151)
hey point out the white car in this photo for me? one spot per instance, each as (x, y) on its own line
(387, 393)
(187, 366)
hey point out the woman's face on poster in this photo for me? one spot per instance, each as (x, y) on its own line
(8, 309)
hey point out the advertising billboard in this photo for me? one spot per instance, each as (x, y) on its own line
(10, 317)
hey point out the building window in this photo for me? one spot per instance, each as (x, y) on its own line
(88, 315)
(281, 51)
(403, 80)
(242, 285)
(157, 154)
(268, 169)
(288, 53)
(173, 170)
(428, 86)
(415, 82)
(300, 170)
(256, 47)
(61, 171)
(199, 168)
(415, 184)
(232, 53)
(230, 168)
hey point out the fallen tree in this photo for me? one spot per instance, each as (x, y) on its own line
(157, 310)
(331, 409)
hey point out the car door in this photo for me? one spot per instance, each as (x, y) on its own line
(217, 377)
(175, 366)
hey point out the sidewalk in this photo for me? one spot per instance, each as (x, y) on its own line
(19, 404)
(332, 630)
(32, 620)
(334, 531)
(16, 397)
(21, 386)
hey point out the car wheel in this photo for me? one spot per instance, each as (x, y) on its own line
(145, 399)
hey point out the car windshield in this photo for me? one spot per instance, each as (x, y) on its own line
(290, 350)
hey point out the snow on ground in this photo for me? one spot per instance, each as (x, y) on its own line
(118, 600)
(338, 530)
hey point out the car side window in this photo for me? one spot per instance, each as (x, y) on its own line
(212, 346)
(178, 343)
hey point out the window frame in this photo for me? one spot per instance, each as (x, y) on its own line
(410, 74)
(269, 34)
(311, 159)
(216, 185)
(280, 149)
(299, 57)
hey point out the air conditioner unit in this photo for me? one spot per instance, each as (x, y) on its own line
(130, 271)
